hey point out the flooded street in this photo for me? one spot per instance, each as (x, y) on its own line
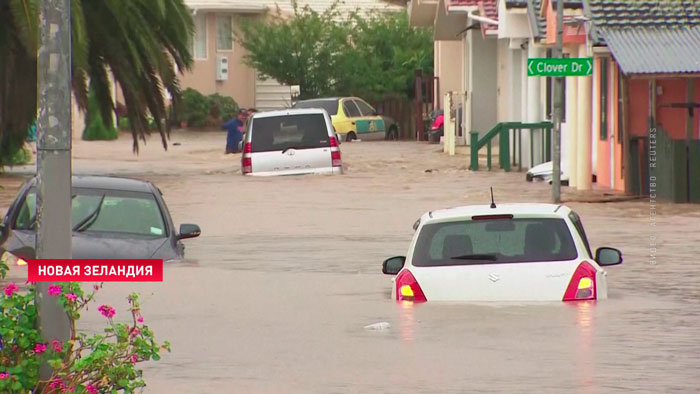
(275, 294)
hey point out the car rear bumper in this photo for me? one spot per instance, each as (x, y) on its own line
(312, 171)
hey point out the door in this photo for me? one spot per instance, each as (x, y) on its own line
(369, 125)
(291, 144)
(347, 122)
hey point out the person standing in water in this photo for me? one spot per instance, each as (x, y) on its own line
(235, 128)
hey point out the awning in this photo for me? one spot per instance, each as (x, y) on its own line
(655, 50)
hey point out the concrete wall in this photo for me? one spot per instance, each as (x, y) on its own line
(483, 80)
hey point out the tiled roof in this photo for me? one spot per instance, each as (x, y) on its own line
(644, 13)
(640, 13)
(655, 50)
(537, 22)
(487, 8)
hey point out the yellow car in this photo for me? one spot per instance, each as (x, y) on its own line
(353, 118)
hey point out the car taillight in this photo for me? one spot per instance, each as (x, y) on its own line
(247, 159)
(335, 153)
(407, 288)
(582, 285)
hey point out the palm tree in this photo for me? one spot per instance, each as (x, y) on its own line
(142, 43)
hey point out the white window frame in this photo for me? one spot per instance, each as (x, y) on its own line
(206, 37)
(230, 17)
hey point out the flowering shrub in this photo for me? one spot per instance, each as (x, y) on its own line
(102, 363)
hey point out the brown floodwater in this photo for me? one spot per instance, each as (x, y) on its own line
(275, 295)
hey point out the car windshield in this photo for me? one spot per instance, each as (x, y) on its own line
(278, 133)
(104, 211)
(331, 106)
(493, 241)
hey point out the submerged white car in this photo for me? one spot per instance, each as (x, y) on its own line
(509, 252)
(291, 142)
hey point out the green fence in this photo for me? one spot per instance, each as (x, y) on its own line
(674, 168)
(505, 157)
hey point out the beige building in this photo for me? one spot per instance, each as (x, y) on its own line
(219, 67)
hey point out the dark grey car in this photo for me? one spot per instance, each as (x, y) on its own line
(113, 218)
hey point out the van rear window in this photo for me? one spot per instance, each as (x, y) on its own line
(307, 131)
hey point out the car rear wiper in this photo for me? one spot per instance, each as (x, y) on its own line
(84, 225)
(291, 147)
(490, 257)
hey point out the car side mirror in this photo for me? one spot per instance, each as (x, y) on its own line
(393, 266)
(608, 256)
(189, 231)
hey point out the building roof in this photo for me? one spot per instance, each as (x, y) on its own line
(345, 6)
(655, 50)
(487, 8)
(537, 21)
(648, 37)
(644, 13)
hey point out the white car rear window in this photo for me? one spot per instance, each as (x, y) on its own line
(494, 241)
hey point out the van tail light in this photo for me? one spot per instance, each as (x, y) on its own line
(247, 159)
(582, 285)
(335, 153)
(408, 289)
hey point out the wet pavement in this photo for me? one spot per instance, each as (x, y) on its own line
(275, 294)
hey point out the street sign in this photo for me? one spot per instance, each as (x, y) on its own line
(554, 67)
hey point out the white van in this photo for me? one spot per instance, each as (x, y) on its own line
(291, 142)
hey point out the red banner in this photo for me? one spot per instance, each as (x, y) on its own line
(147, 270)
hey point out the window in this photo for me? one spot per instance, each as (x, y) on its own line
(199, 39)
(603, 98)
(350, 109)
(331, 106)
(224, 33)
(365, 109)
(277, 133)
(576, 220)
(494, 241)
(104, 211)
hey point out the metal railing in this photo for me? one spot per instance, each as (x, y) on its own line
(503, 131)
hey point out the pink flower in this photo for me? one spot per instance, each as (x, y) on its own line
(39, 348)
(134, 358)
(91, 389)
(96, 287)
(107, 311)
(70, 390)
(140, 319)
(55, 290)
(10, 289)
(71, 297)
(57, 383)
(4, 375)
(135, 331)
(57, 346)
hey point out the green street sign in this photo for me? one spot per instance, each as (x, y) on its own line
(554, 67)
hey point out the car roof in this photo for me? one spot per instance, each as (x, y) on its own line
(547, 210)
(289, 111)
(109, 183)
(321, 99)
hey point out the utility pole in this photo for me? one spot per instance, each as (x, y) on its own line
(558, 108)
(54, 235)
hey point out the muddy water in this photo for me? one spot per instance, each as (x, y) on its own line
(275, 294)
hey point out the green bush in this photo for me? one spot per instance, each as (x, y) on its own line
(22, 156)
(199, 110)
(107, 362)
(95, 129)
(124, 123)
